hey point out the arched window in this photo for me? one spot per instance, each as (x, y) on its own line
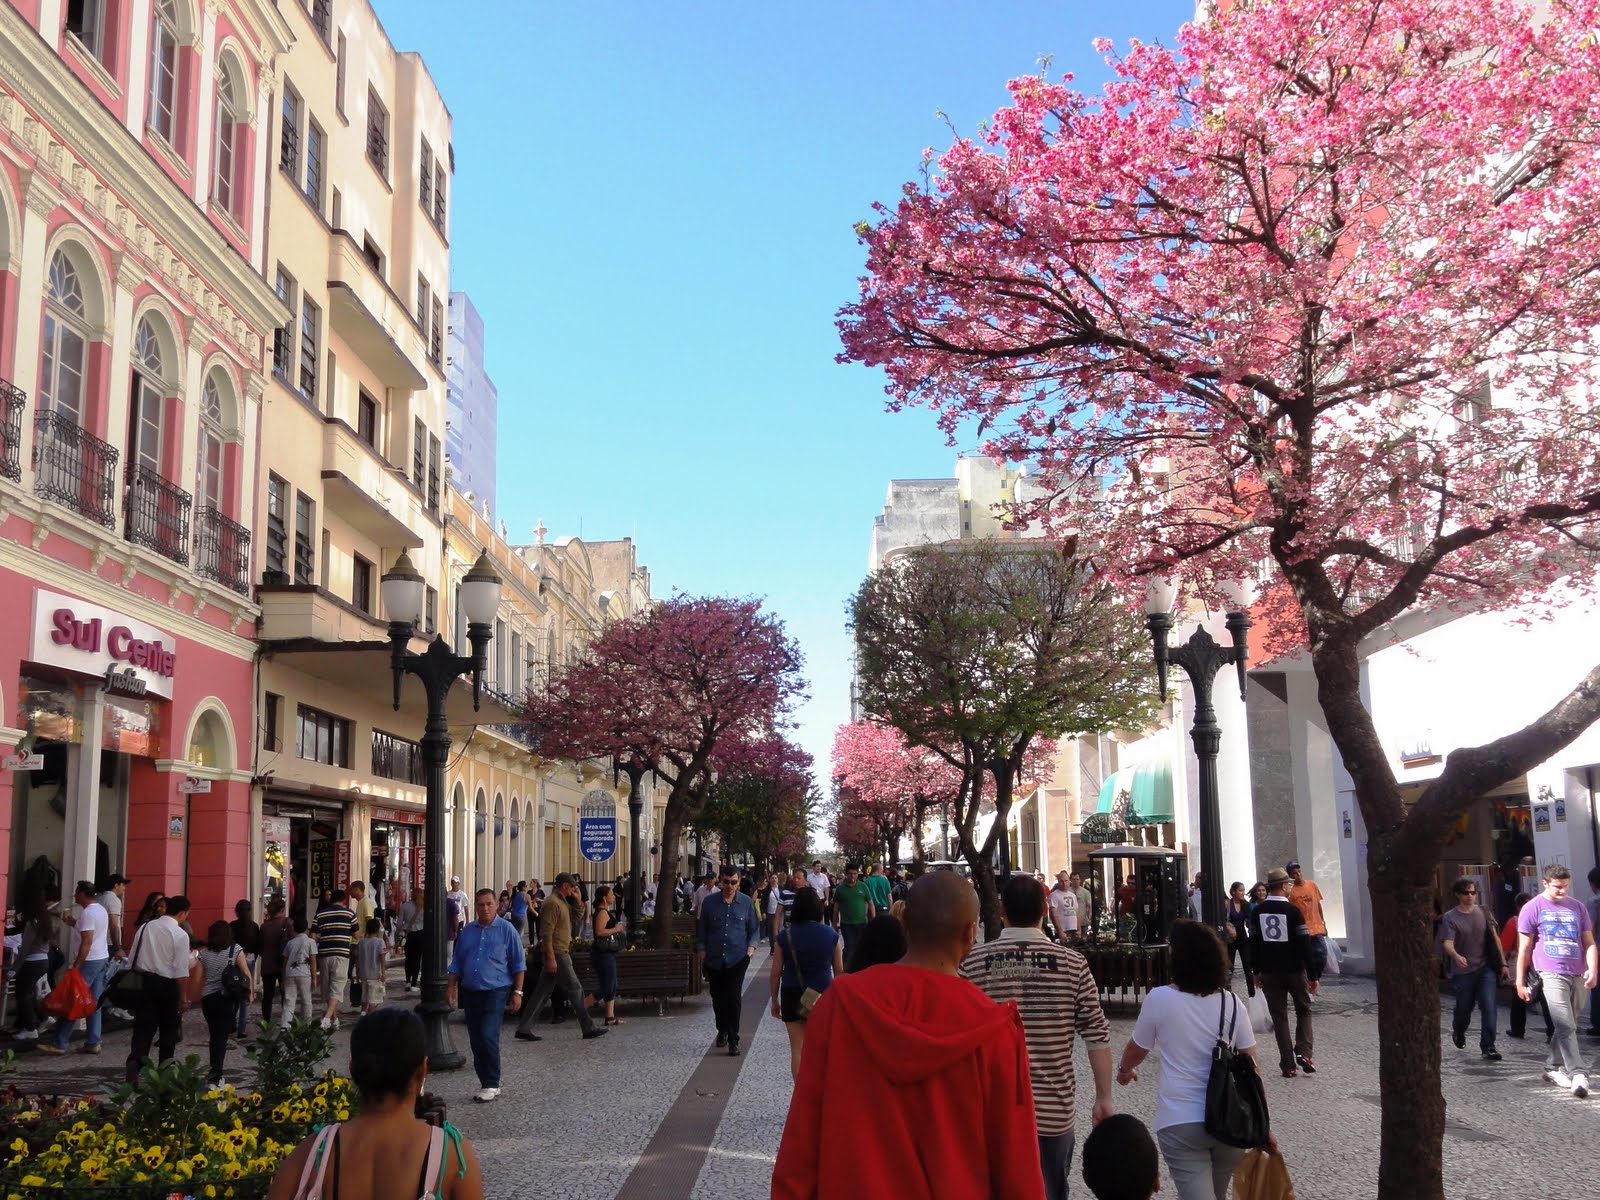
(150, 390)
(164, 69)
(226, 125)
(208, 477)
(66, 337)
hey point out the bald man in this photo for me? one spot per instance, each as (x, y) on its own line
(925, 1078)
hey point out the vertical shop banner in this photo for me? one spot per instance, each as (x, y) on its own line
(321, 866)
(419, 866)
(341, 863)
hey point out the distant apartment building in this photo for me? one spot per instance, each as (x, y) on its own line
(133, 319)
(474, 406)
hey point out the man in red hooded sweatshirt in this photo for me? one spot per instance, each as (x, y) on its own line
(913, 1082)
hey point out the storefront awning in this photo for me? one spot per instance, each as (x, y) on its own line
(1149, 789)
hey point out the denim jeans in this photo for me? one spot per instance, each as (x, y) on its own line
(1476, 987)
(483, 1011)
(1055, 1158)
(94, 974)
(852, 938)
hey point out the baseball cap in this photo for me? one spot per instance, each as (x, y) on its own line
(455, 879)
(1292, 864)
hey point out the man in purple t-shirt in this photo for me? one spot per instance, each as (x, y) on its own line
(1557, 934)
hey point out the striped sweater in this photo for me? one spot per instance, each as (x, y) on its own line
(1056, 996)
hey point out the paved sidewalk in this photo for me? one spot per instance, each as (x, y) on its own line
(651, 1110)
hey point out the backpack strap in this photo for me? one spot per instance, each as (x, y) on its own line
(316, 1163)
(433, 1166)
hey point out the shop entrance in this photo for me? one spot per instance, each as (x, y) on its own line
(394, 867)
(298, 849)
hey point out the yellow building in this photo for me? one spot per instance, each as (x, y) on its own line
(351, 451)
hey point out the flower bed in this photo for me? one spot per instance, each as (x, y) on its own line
(169, 1134)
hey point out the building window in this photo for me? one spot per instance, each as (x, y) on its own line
(283, 336)
(361, 583)
(373, 253)
(430, 613)
(423, 293)
(377, 133)
(321, 737)
(419, 453)
(315, 155)
(341, 58)
(438, 196)
(396, 758)
(436, 335)
(226, 136)
(163, 69)
(367, 418)
(310, 325)
(289, 136)
(321, 17)
(425, 180)
(147, 400)
(86, 21)
(433, 474)
(336, 210)
(208, 470)
(271, 715)
(305, 533)
(66, 341)
(277, 530)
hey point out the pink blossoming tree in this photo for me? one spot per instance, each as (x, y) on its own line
(1317, 287)
(674, 687)
(894, 784)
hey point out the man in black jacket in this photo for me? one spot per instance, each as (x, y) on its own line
(1286, 965)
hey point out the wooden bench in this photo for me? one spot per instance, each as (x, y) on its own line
(656, 975)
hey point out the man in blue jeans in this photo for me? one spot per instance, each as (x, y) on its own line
(93, 958)
(1477, 967)
(488, 965)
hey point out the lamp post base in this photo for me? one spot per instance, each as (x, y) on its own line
(442, 1054)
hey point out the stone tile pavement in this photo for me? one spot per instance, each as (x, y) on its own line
(576, 1116)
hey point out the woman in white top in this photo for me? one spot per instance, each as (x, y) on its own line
(1182, 1020)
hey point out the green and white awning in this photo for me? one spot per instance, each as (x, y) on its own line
(1148, 788)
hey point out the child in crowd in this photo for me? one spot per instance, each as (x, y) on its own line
(372, 953)
(299, 968)
(1120, 1160)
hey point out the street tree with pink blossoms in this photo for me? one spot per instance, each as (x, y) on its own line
(893, 784)
(676, 686)
(761, 803)
(1318, 287)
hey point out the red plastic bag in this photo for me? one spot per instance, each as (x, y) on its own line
(71, 998)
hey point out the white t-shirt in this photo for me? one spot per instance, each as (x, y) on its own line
(1064, 910)
(93, 920)
(820, 883)
(1183, 1027)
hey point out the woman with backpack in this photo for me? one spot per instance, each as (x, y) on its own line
(805, 958)
(225, 983)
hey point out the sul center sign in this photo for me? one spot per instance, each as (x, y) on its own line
(132, 657)
(597, 825)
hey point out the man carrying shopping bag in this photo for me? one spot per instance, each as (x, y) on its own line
(91, 962)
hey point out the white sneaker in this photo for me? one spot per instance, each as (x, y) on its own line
(488, 1094)
(327, 1023)
(1558, 1077)
(25, 1035)
(120, 1014)
(1580, 1085)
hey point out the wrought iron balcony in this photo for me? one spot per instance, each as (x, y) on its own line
(75, 469)
(158, 514)
(222, 550)
(12, 402)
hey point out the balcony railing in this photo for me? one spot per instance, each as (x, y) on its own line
(158, 514)
(12, 402)
(74, 469)
(222, 550)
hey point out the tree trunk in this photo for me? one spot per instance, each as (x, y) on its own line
(672, 825)
(988, 892)
(1410, 1162)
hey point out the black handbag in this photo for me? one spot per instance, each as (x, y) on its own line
(1236, 1101)
(127, 986)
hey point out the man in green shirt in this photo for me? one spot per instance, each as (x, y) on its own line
(878, 887)
(856, 908)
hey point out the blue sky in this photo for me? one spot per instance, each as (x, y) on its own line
(653, 211)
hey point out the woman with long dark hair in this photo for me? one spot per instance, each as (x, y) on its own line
(1239, 909)
(220, 1009)
(1183, 1019)
(805, 958)
(40, 928)
(607, 941)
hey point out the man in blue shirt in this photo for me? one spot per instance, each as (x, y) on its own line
(488, 964)
(725, 934)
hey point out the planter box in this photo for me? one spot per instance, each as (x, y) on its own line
(1123, 973)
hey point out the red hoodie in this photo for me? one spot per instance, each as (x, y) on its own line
(912, 1084)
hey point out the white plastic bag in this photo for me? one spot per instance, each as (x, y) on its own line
(1260, 1018)
(1332, 967)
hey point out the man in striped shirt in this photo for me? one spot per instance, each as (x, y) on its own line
(1056, 997)
(334, 931)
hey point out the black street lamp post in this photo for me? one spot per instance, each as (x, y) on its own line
(1201, 658)
(634, 768)
(402, 588)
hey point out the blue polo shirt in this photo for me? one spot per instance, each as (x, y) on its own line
(488, 956)
(725, 930)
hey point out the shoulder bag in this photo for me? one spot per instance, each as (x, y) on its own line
(128, 985)
(235, 983)
(1236, 1102)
